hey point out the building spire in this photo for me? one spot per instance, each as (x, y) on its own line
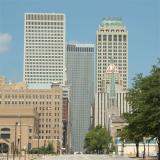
(112, 86)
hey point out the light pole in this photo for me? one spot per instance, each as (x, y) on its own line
(20, 134)
(38, 136)
(15, 139)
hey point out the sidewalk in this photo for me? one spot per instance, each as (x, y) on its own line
(24, 157)
(149, 158)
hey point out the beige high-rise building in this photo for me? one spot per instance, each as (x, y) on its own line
(47, 102)
(112, 46)
(44, 49)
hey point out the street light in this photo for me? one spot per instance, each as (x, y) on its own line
(15, 140)
(38, 136)
(20, 128)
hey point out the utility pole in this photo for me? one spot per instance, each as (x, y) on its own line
(13, 150)
(20, 136)
(15, 139)
(38, 136)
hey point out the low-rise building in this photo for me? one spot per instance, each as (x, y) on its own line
(48, 103)
(18, 126)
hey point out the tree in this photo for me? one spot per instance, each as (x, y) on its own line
(43, 150)
(97, 140)
(131, 133)
(144, 98)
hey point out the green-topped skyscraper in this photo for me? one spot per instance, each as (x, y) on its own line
(112, 47)
(111, 73)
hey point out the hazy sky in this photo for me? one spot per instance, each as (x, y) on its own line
(142, 18)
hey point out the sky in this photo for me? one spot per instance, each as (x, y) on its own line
(142, 18)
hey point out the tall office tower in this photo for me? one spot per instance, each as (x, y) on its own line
(44, 49)
(80, 75)
(112, 46)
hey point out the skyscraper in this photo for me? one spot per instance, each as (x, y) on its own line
(44, 49)
(111, 73)
(112, 46)
(80, 75)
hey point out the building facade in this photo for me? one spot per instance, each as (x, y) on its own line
(104, 109)
(47, 102)
(44, 49)
(80, 75)
(18, 126)
(111, 74)
(111, 46)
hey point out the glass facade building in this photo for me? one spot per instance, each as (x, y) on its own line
(80, 75)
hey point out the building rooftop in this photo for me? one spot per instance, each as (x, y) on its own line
(112, 21)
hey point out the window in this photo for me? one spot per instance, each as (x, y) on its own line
(104, 37)
(110, 37)
(30, 130)
(124, 37)
(118, 130)
(115, 37)
(120, 37)
(5, 133)
(99, 37)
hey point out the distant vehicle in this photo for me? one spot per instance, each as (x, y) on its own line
(78, 152)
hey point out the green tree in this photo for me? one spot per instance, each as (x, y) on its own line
(144, 98)
(97, 140)
(132, 133)
(43, 150)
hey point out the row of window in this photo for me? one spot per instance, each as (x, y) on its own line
(49, 34)
(114, 46)
(28, 102)
(43, 27)
(55, 57)
(79, 49)
(30, 96)
(115, 60)
(42, 39)
(40, 81)
(112, 30)
(49, 29)
(110, 50)
(48, 137)
(112, 37)
(43, 36)
(41, 51)
(44, 17)
(42, 42)
(111, 54)
(30, 23)
(43, 114)
(40, 74)
(110, 43)
(41, 47)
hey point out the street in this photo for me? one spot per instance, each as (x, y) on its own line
(84, 157)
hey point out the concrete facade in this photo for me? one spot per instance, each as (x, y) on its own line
(48, 103)
(111, 46)
(18, 126)
(44, 49)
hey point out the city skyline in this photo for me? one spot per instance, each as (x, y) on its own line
(140, 17)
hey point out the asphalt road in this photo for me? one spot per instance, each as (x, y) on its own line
(85, 157)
